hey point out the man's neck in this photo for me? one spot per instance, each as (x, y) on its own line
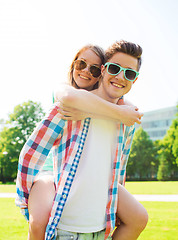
(104, 95)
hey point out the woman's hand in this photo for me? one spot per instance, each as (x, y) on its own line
(68, 113)
(130, 115)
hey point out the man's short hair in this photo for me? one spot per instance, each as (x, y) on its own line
(123, 46)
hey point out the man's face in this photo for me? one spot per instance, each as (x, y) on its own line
(113, 87)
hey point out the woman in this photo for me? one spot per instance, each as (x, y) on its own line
(84, 73)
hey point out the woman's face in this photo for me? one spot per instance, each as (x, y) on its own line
(83, 78)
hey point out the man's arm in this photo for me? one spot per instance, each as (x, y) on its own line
(34, 154)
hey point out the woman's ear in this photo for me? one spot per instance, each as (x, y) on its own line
(102, 69)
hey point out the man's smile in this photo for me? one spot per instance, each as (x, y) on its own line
(117, 85)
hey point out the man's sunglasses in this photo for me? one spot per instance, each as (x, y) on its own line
(94, 70)
(115, 69)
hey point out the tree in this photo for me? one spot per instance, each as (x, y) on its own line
(26, 116)
(163, 169)
(12, 137)
(142, 162)
(175, 145)
(169, 153)
(10, 144)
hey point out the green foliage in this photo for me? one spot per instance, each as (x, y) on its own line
(142, 162)
(175, 140)
(163, 170)
(12, 137)
(150, 159)
(26, 116)
(168, 153)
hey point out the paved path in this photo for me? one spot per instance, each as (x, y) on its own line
(139, 197)
(7, 195)
(157, 198)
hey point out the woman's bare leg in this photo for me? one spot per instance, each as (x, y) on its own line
(133, 215)
(39, 205)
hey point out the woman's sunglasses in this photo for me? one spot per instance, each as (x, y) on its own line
(115, 69)
(94, 70)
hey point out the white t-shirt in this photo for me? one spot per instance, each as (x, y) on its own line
(85, 209)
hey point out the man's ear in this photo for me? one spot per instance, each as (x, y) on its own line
(135, 80)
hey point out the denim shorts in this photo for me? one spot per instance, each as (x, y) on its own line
(65, 235)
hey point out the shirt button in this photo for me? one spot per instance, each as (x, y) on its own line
(55, 220)
(72, 173)
(64, 196)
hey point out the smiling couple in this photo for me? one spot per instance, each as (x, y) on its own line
(90, 155)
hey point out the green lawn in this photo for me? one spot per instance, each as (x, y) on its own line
(7, 188)
(132, 187)
(12, 224)
(163, 221)
(152, 187)
(163, 216)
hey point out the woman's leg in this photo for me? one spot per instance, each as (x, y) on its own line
(133, 215)
(39, 205)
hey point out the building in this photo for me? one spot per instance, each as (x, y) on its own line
(157, 122)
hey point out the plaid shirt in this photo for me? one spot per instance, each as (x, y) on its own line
(67, 139)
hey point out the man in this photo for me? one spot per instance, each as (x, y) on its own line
(90, 159)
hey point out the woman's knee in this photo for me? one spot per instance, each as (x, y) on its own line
(131, 212)
(141, 219)
(36, 224)
(37, 229)
(40, 201)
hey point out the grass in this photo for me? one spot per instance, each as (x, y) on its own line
(12, 224)
(163, 216)
(152, 187)
(7, 188)
(163, 221)
(132, 187)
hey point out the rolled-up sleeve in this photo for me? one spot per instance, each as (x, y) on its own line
(34, 154)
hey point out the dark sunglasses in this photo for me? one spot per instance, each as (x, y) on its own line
(115, 69)
(94, 70)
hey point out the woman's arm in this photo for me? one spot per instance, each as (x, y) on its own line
(122, 101)
(77, 104)
(33, 155)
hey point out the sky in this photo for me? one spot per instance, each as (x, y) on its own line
(39, 38)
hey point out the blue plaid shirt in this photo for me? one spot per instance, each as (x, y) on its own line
(67, 139)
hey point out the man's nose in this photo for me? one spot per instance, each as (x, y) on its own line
(120, 75)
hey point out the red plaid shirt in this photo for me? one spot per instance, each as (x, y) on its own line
(67, 139)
